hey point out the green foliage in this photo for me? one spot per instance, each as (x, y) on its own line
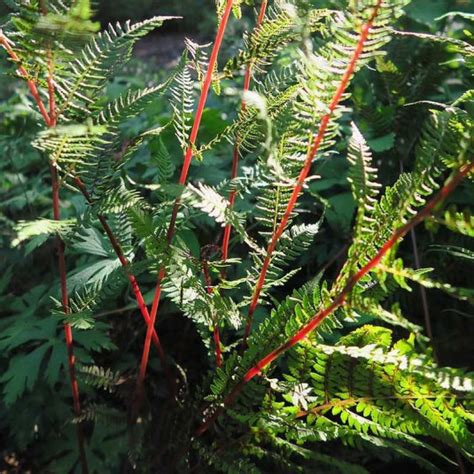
(367, 386)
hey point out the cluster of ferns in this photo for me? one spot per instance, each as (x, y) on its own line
(303, 367)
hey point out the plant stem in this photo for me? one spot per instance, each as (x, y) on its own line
(312, 151)
(63, 273)
(235, 158)
(341, 298)
(134, 284)
(67, 327)
(182, 181)
(23, 73)
(424, 297)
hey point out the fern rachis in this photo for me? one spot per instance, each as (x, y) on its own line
(236, 151)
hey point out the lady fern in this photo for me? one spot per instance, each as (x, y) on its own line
(333, 356)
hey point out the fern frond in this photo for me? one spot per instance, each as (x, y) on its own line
(401, 274)
(208, 200)
(26, 230)
(183, 105)
(363, 179)
(458, 221)
(375, 390)
(280, 26)
(101, 414)
(293, 243)
(99, 60)
(443, 140)
(99, 377)
(130, 105)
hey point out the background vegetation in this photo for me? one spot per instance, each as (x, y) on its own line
(391, 99)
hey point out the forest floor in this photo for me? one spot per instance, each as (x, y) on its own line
(163, 49)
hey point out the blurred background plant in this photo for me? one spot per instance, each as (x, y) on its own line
(413, 69)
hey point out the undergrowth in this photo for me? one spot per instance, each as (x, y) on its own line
(216, 268)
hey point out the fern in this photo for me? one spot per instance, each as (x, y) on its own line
(442, 140)
(333, 371)
(100, 59)
(100, 377)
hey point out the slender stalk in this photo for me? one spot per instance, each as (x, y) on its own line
(30, 82)
(235, 158)
(63, 273)
(67, 327)
(423, 294)
(51, 94)
(341, 298)
(424, 297)
(134, 284)
(182, 181)
(312, 151)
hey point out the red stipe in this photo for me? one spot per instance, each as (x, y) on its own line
(67, 327)
(151, 324)
(134, 284)
(313, 150)
(340, 299)
(217, 344)
(64, 292)
(182, 180)
(63, 274)
(52, 101)
(50, 121)
(235, 157)
(23, 73)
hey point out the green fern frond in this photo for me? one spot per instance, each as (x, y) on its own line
(401, 274)
(363, 179)
(99, 377)
(100, 413)
(99, 60)
(458, 221)
(209, 201)
(280, 26)
(130, 105)
(42, 227)
(183, 104)
(292, 244)
(382, 395)
(443, 140)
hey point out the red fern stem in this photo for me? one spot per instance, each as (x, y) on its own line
(31, 84)
(62, 271)
(50, 121)
(235, 157)
(340, 299)
(67, 328)
(364, 34)
(134, 284)
(182, 181)
(51, 93)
